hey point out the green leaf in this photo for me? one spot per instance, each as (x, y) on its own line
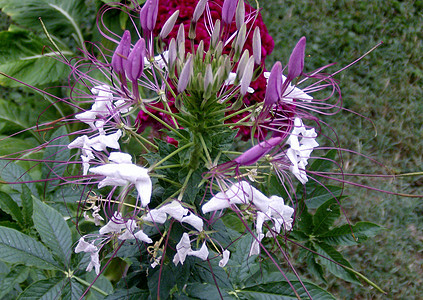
(282, 290)
(328, 252)
(53, 231)
(17, 275)
(61, 17)
(27, 206)
(207, 291)
(325, 215)
(11, 172)
(23, 57)
(131, 294)
(343, 235)
(241, 266)
(321, 194)
(44, 289)
(11, 208)
(304, 220)
(73, 290)
(57, 154)
(16, 247)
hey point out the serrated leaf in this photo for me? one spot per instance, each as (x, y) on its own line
(131, 294)
(321, 194)
(73, 290)
(45, 289)
(16, 247)
(61, 17)
(325, 215)
(11, 208)
(304, 220)
(241, 266)
(24, 58)
(53, 230)
(343, 235)
(207, 291)
(56, 156)
(17, 275)
(329, 252)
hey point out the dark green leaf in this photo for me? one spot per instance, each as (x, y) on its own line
(207, 291)
(16, 247)
(321, 194)
(27, 206)
(131, 294)
(241, 266)
(57, 154)
(282, 290)
(73, 290)
(53, 231)
(329, 253)
(17, 275)
(343, 235)
(325, 215)
(11, 208)
(44, 289)
(11, 172)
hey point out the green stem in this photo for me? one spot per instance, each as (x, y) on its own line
(170, 155)
(236, 113)
(168, 167)
(88, 284)
(143, 139)
(184, 186)
(205, 149)
(164, 123)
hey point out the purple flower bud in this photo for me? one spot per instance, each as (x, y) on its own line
(185, 75)
(148, 15)
(199, 9)
(257, 46)
(208, 76)
(247, 76)
(296, 60)
(228, 11)
(121, 52)
(215, 35)
(274, 85)
(240, 14)
(253, 154)
(172, 53)
(168, 25)
(134, 65)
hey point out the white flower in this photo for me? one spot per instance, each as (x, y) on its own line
(291, 92)
(115, 224)
(131, 226)
(95, 262)
(182, 249)
(175, 210)
(120, 174)
(300, 150)
(255, 246)
(155, 216)
(225, 258)
(90, 248)
(140, 235)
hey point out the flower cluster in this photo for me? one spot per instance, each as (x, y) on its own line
(193, 78)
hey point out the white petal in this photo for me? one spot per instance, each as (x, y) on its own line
(95, 262)
(182, 249)
(83, 246)
(143, 237)
(155, 216)
(226, 254)
(120, 158)
(194, 221)
(115, 224)
(203, 253)
(175, 210)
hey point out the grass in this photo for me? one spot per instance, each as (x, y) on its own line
(386, 88)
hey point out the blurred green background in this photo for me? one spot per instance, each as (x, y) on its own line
(386, 88)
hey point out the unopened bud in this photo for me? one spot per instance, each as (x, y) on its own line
(240, 14)
(242, 64)
(296, 60)
(208, 77)
(148, 15)
(134, 65)
(247, 76)
(274, 85)
(199, 9)
(121, 53)
(168, 25)
(215, 35)
(199, 54)
(240, 40)
(172, 54)
(257, 46)
(185, 75)
(228, 11)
